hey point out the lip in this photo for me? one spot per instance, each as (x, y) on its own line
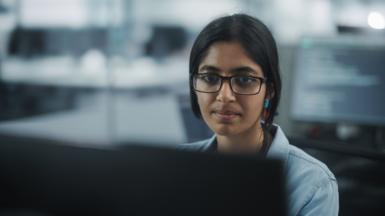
(225, 115)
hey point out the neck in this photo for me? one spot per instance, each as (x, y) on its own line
(249, 142)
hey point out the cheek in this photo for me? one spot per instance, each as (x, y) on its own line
(204, 102)
(253, 108)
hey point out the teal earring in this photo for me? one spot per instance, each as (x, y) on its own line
(266, 112)
(266, 103)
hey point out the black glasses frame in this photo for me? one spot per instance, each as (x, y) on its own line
(227, 78)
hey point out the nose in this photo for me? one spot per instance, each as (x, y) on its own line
(225, 94)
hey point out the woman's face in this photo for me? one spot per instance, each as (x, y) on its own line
(225, 112)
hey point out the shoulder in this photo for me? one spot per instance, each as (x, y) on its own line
(296, 161)
(301, 163)
(311, 186)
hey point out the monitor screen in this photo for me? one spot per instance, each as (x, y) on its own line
(41, 177)
(340, 79)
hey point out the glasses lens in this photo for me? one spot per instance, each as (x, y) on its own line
(207, 82)
(245, 84)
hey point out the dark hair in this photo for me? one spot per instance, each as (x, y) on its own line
(258, 43)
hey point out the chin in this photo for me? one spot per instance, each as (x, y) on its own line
(225, 130)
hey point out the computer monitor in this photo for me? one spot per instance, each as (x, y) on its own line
(42, 42)
(340, 80)
(41, 178)
(165, 40)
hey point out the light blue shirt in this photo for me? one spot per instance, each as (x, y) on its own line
(311, 187)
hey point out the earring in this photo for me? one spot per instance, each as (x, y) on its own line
(266, 112)
(266, 103)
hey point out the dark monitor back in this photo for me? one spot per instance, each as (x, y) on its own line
(39, 178)
(41, 42)
(165, 40)
(340, 79)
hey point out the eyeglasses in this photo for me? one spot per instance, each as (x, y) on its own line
(239, 84)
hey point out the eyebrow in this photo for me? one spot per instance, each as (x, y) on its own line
(244, 70)
(238, 70)
(209, 68)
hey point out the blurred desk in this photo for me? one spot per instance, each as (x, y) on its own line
(106, 118)
(79, 127)
(118, 74)
(104, 108)
(58, 71)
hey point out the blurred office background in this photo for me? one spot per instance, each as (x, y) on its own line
(106, 73)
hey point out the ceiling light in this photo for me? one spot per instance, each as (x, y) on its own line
(376, 20)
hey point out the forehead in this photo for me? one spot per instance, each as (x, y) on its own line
(227, 57)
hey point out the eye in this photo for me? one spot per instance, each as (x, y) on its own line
(245, 81)
(211, 79)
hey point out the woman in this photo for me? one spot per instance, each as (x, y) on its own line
(235, 87)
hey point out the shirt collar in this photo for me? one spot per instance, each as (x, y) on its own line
(211, 145)
(279, 148)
